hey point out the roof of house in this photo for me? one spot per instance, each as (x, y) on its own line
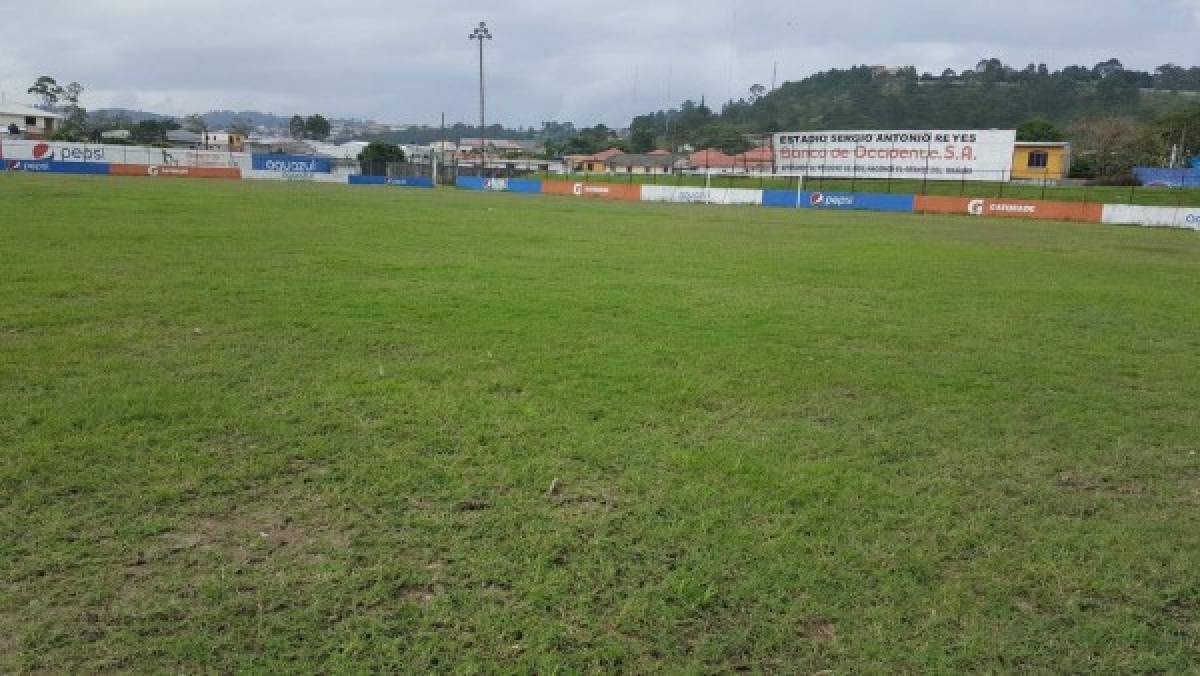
(759, 154)
(603, 155)
(26, 111)
(636, 160)
(493, 143)
(182, 136)
(659, 152)
(711, 158)
(1045, 144)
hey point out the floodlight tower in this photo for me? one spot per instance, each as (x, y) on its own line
(481, 33)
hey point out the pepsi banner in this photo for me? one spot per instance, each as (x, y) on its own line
(291, 164)
(856, 200)
(56, 167)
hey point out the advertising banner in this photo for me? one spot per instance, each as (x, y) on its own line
(940, 155)
(171, 171)
(298, 176)
(524, 185)
(482, 183)
(780, 198)
(1005, 208)
(612, 191)
(697, 195)
(412, 181)
(856, 200)
(1173, 217)
(1168, 178)
(55, 167)
(62, 151)
(291, 164)
(54, 151)
(357, 179)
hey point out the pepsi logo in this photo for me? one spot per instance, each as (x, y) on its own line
(816, 199)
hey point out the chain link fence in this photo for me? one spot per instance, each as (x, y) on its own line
(1000, 186)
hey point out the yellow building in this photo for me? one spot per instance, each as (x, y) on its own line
(1041, 161)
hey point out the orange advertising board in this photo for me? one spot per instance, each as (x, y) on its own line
(171, 171)
(1006, 208)
(612, 191)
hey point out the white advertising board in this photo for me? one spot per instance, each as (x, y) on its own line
(62, 151)
(1173, 217)
(940, 155)
(697, 195)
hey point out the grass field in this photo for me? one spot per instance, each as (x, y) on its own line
(279, 427)
(1099, 194)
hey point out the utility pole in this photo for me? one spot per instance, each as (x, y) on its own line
(481, 33)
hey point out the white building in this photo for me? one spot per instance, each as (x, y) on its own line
(28, 121)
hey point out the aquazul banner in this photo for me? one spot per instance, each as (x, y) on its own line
(292, 164)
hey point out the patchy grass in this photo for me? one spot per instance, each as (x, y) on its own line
(272, 427)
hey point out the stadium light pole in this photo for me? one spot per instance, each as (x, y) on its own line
(481, 33)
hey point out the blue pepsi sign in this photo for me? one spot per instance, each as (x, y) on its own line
(292, 164)
(54, 167)
(856, 200)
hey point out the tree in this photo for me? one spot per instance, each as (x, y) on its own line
(152, 131)
(317, 127)
(1180, 127)
(377, 155)
(240, 126)
(1115, 145)
(195, 124)
(296, 127)
(72, 92)
(1038, 129)
(48, 90)
(756, 92)
(1106, 68)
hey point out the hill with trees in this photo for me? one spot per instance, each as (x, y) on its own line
(1152, 110)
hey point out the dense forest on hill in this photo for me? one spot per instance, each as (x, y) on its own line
(1100, 107)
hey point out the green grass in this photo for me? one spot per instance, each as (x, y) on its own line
(1154, 196)
(279, 428)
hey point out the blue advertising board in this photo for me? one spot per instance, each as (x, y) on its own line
(292, 164)
(780, 198)
(54, 167)
(356, 179)
(470, 182)
(525, 185)
(1168, 178)
(856, 200)
(412, 181)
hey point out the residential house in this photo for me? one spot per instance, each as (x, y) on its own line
(649, 163)
(28, 122)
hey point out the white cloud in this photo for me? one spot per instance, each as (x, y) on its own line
(565, 59)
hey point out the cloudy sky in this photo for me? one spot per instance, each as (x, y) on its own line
(579, 60)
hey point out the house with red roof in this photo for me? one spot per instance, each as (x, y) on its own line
(590, 163)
